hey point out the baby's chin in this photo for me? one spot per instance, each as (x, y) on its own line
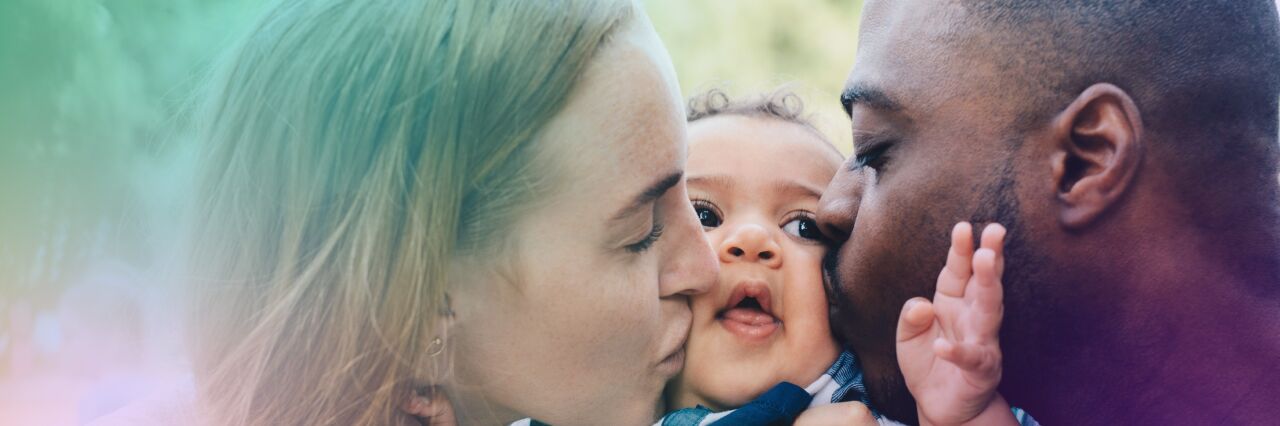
(722, 395)
(725, 385)
(722, 376)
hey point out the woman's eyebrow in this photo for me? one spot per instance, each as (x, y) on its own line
(650, 194)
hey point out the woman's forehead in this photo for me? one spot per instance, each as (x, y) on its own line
(621, 127)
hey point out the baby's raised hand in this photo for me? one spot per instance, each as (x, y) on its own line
(949, 349)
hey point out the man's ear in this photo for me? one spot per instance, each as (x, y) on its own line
(1098, 153)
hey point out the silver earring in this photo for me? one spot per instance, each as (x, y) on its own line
(437, 347)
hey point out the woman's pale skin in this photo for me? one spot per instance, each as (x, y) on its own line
(755, 183)
(583, 318)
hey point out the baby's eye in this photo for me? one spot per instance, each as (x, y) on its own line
(707, 214)
(803, 227)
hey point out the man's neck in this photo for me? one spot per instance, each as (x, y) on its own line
(1196, 342)
(1191, 371)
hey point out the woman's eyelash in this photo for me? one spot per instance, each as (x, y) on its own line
(644, 244)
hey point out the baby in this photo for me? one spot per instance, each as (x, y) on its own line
(755, 173)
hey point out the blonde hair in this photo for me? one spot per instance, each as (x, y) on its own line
(353, 149)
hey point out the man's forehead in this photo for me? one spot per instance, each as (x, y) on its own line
(909, 19)
(905, 49)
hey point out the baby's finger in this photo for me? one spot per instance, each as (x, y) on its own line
(431, 409)
(959, 258)
(986, 295)
(967, 356)
(993, 237)
(917, 317)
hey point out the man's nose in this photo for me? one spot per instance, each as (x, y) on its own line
(750, 243)
(838, 207)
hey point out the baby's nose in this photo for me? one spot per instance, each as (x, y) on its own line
(751, 243)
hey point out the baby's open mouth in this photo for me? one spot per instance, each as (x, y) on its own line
(748, 312)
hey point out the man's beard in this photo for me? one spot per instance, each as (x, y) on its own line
(998, 204)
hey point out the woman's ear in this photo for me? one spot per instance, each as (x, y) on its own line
(1098, 152)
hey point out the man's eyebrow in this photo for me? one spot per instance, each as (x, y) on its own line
(869, 96)
(650, 194)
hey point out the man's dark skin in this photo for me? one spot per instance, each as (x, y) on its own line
(1131, 149)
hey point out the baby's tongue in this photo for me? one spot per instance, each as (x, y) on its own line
(749, 316)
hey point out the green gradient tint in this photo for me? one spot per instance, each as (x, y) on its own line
(94, 117)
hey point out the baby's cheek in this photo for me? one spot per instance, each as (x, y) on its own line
(805, 292)
(703, 307)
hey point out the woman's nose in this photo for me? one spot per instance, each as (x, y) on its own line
(750, 243)
(692, 266)
(838, 208)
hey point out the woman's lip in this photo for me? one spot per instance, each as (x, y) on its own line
(672, 364)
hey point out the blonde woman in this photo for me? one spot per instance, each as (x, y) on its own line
(479, 200)
(482, 199)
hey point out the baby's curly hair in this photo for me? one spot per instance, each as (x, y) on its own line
(781, 104)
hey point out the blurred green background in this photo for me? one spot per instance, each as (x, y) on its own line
(93, 123)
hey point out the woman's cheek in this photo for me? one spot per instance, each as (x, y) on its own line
(619, 308)
(643, 313)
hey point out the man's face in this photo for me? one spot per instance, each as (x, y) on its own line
(930, 149)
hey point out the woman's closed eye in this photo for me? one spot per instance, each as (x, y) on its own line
(649, 239)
